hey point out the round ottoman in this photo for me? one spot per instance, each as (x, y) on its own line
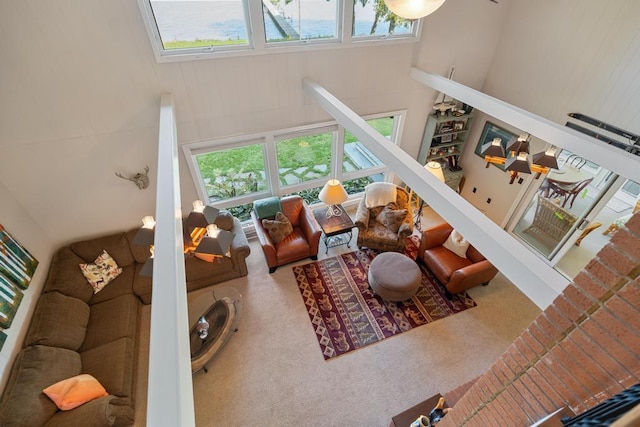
(394, 276)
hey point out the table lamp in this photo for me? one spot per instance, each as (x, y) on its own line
(333, 193)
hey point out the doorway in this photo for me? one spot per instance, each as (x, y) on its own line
(567, 214)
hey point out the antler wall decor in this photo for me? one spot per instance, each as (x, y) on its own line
(139, 179)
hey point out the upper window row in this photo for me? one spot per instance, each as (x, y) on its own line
(209, 27)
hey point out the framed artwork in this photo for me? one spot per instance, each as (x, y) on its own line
(16, 263)
(491, 131)
(3, 338)
(17, 267)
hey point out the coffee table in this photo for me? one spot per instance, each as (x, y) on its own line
(336, 230)
(213, 317)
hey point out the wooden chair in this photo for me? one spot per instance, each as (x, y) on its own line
(567, 191)
(620, 222)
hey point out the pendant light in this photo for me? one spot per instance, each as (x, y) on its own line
(413, 9)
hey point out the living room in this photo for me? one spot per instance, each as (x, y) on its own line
(93, 109)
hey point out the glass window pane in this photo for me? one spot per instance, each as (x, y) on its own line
(356, 155)
(290, 20)
(202, 23)
(304, 158)
(233, 172)
(373, 18)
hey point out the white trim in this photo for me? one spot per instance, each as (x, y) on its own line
(269, 139)
(535, 278)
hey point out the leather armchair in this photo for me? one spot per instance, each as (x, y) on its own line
(303, 242)
(375, 235)
(456, 274)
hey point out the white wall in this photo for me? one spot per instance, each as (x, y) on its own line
(563, 56)
(81, 90)
(25, 230)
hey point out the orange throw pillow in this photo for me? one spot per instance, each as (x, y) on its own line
(73, 392)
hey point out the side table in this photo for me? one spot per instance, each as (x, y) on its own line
(337, 229)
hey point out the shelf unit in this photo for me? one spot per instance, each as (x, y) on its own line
(443, 141)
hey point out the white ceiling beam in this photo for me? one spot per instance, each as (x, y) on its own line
(605, 155)
(532, 275)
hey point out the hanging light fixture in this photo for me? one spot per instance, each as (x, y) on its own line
(413, 9)
(517, 159)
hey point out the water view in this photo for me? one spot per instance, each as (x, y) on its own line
(224, 20)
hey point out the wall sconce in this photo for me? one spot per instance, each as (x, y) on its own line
(518, 160)
(333, 193)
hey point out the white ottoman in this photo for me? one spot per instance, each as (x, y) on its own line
(394, 277)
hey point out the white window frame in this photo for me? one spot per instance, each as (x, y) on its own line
(269, 140)
(257, 44)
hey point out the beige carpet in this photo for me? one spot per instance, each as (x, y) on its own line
(271, 373)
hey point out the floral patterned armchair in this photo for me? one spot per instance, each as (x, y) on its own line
(384, 217)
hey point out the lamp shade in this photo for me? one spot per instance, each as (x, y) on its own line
(436, 169)
(518, 164)
(413, 9)
(520, 145)
(493, 148)
(217, 245)
(547, 159)
(333, 193)
(145, 235)
(201, 215)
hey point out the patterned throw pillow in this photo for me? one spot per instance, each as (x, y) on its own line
(103, 270)
(279, 228)
(391, 217)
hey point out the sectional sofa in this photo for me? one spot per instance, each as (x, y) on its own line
(76, 331)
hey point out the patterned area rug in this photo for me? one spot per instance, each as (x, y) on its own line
(347, 315)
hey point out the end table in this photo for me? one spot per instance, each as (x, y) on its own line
(336, 229)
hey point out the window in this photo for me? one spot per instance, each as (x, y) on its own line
(372, 18)
(304, 158)
(182, 30)
(234, 172)
(196, 24)
(295, 20)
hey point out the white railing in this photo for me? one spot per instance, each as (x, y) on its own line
(170, 390)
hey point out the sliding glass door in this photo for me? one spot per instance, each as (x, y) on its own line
(563, 204)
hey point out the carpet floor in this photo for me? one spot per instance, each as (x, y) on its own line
(347, 315)
(271, 372)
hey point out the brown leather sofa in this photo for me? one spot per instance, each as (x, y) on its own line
(457, 274)
(302, 243)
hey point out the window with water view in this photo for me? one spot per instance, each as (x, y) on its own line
(207, 26)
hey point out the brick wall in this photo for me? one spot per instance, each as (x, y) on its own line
(581, 350)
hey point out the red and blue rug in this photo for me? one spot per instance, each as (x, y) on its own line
(347, 315)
